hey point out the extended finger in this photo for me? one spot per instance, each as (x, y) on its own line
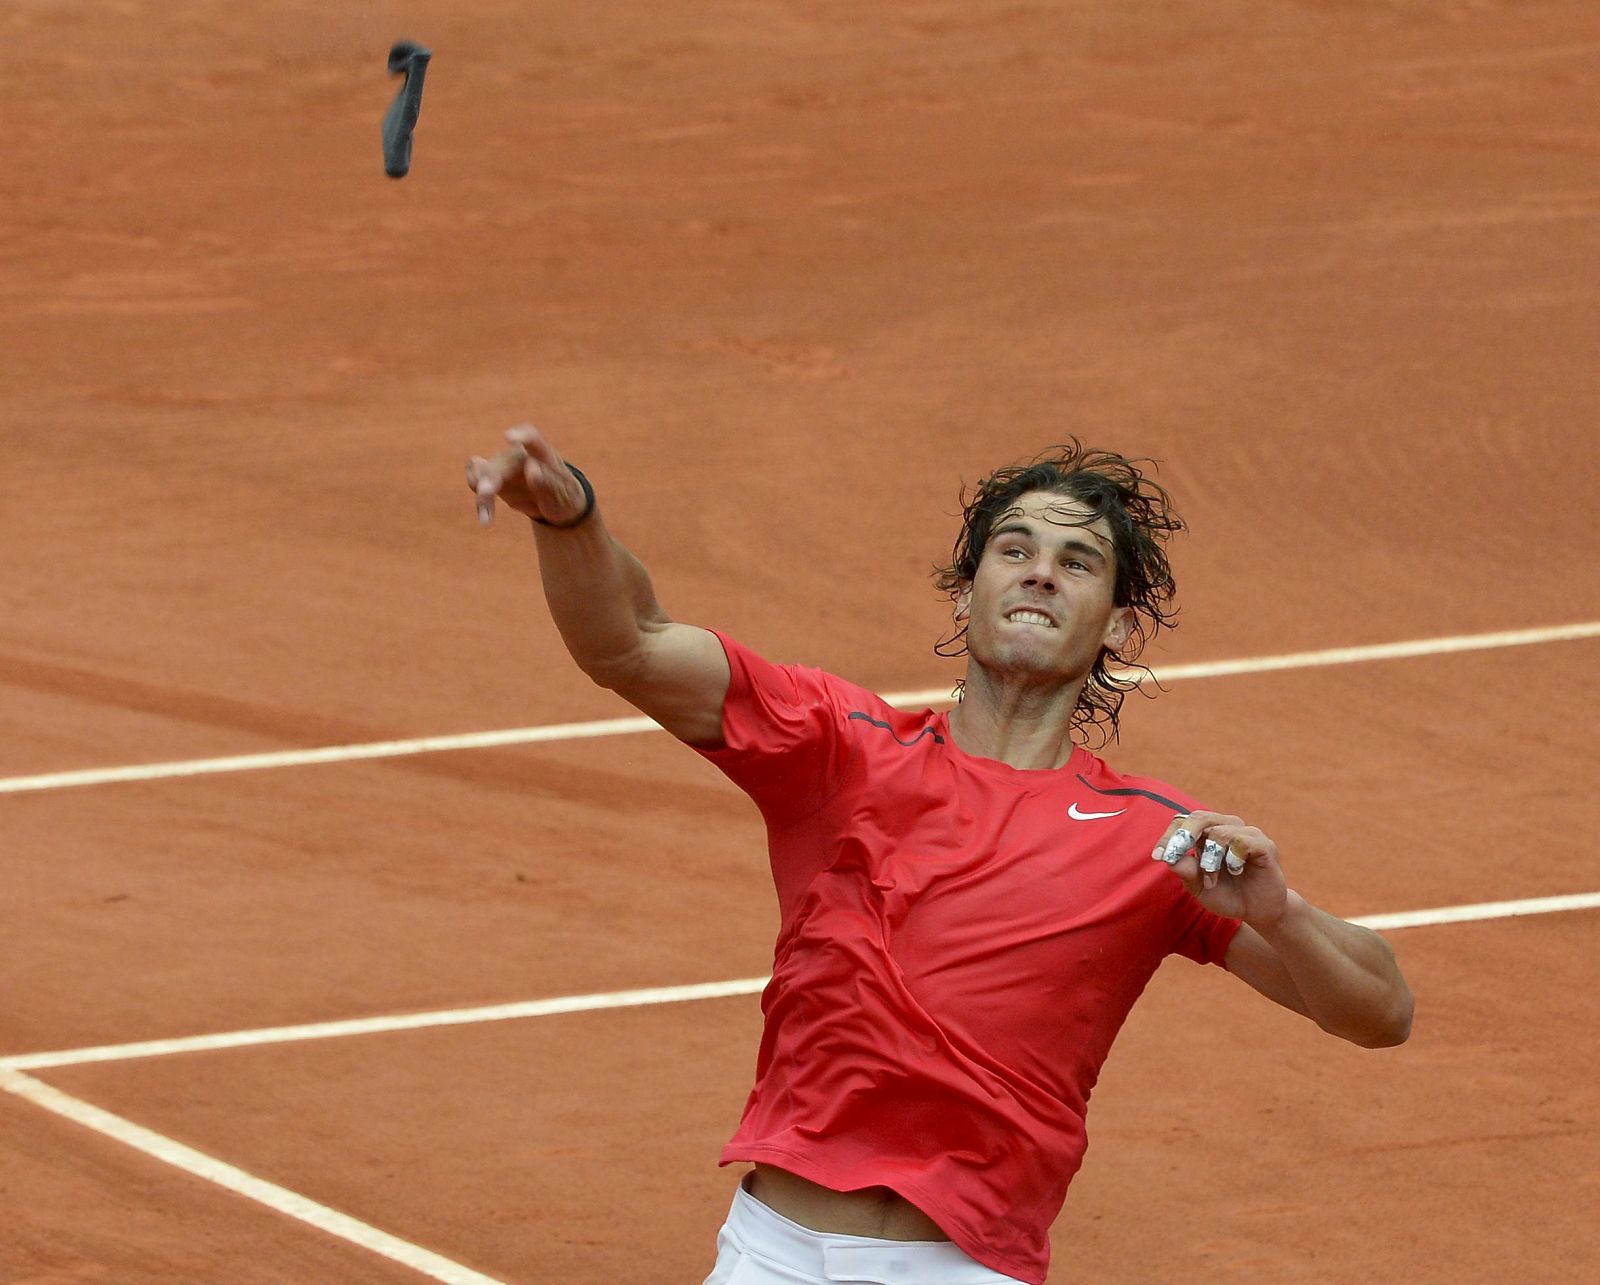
(484, 479)
(1214, 856)
(1234, 843)
(496, 471)
(533, 445)
(1179, 839)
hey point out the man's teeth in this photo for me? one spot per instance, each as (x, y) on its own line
(1031, 618)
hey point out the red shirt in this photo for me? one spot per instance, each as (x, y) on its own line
(959, 943)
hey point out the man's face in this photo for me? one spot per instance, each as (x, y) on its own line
(1041, 604)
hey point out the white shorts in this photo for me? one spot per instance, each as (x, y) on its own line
(759, 1246)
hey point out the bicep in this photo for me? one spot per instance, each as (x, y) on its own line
(680, 678)
(1253, 961)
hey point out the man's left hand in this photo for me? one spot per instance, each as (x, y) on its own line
(1258, 894)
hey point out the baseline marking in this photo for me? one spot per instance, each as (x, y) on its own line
(241, 1183)
(630, 726)
(638, 998)
(378, 1025)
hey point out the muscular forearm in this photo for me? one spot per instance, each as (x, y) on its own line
(1346, 975)
(600, 598)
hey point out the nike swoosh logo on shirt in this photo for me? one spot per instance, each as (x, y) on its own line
(1092, 816)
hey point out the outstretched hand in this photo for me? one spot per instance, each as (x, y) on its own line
(1231, 868)
(529, 477)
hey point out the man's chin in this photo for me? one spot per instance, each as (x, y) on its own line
(1031, 664)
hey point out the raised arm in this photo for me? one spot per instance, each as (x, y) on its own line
(600, 596)
(1342, 976)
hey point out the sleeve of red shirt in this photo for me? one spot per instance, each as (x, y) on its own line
(780, 729)
(1204, 936)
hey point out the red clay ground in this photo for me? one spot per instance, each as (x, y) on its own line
(778, 277)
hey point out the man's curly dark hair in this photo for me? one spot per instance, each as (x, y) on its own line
(1141, 517)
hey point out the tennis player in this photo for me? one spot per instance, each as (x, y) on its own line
(970, 901)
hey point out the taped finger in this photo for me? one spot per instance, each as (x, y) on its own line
(1235, 861)
(1211, 856)
(1178, 846)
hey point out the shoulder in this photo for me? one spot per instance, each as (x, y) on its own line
(759, 671)
(756, 676)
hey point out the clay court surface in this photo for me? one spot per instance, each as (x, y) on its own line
(779, 276)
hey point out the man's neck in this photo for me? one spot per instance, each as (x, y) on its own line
(1021, 725)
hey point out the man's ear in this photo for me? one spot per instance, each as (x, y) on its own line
(1118, 629)
(963, 603)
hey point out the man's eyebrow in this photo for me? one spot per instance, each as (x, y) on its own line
(1069, 546)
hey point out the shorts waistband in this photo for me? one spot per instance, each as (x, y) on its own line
(836, 1257)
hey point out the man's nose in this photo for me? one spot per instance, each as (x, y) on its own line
(1041, 575)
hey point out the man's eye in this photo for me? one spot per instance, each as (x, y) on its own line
(1075, 565)
(1007, 553)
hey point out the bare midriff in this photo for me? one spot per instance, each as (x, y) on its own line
(871, 1211)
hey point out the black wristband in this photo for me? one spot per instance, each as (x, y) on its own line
(588, 503)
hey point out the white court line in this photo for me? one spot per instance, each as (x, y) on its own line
(328, 754)
(628, 726)
(241, 1183)
(376, 1025)
(1483, 910)
(638, 998)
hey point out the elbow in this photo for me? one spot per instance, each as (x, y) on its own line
(1389, 1024)
(1400, 1028)
(1393, 1027)
(603, 676)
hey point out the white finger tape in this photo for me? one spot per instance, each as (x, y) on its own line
(1177, 847)
(1211, 856)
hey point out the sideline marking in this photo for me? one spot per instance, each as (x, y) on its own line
(238, 1181)
(638, 998)
(629, 726)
